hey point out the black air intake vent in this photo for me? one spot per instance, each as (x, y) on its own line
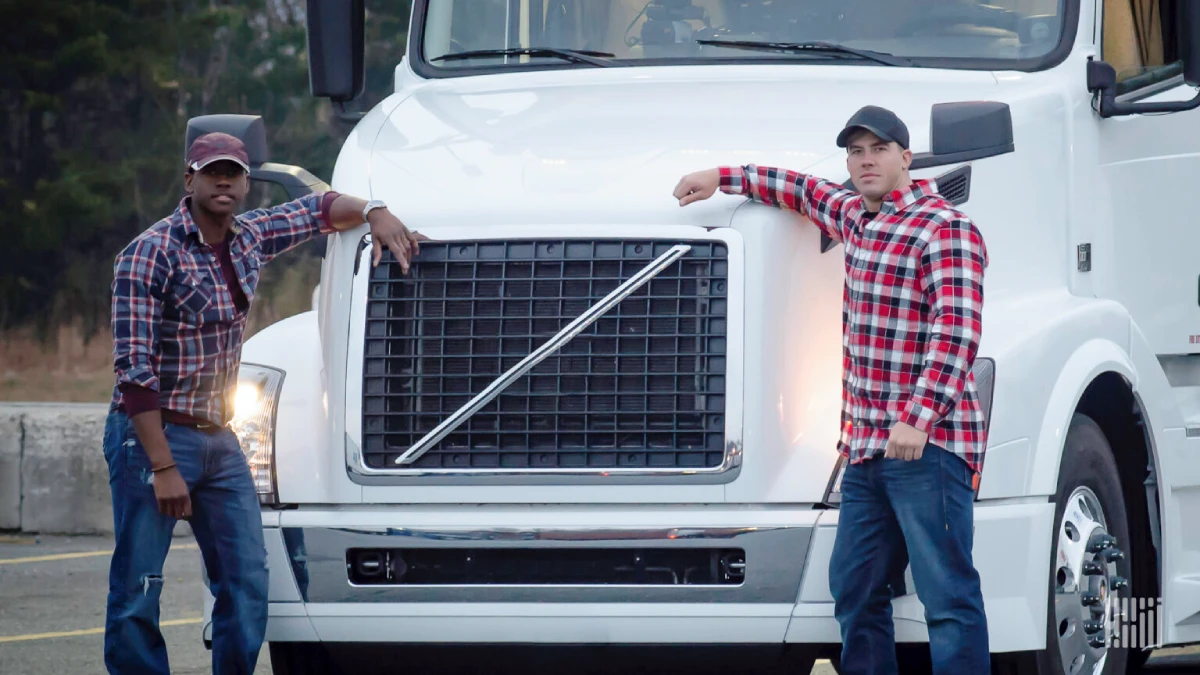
(955, 186)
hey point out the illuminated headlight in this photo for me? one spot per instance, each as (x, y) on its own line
(254, 407)
(984, 374)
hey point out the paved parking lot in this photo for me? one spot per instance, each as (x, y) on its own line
(52, 595)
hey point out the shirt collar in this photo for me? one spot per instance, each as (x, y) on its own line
(899, 200)
(189, 225)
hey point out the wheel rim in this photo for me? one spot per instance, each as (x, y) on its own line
(1085, 574)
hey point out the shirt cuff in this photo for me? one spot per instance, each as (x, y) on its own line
(325, 222)
(918, 416)
(138, 399)
(731, 180)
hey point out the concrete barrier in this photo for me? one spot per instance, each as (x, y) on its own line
(64, 478)
(10, 470)
(53, 476)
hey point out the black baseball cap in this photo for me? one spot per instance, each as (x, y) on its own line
(880, 121)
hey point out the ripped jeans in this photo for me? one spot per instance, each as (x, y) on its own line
(228, 528)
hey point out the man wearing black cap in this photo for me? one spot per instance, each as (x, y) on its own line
(912, 426)
(181, 293)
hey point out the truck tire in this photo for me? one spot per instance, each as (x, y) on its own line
(301, 658)
(1090, 526)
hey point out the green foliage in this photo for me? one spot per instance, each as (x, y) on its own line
(95, 96)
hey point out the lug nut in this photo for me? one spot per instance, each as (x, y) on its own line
(1113, 555)
(1093, 626)
(1090, 599)
(1118, 583)
(1096, 641)
(1100, 541)
(1092, 568)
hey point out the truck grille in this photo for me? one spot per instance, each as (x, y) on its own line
(642, 387)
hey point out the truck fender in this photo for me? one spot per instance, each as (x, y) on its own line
(1091, 359)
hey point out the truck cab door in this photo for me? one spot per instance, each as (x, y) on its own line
(1145, 243)
(1149, 165)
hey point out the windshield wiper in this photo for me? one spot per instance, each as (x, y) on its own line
(573, 55)
(817, 47)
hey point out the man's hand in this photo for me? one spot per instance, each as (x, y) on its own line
(387, 230)
(698, 186)
(905, 442)
(170, 489)
(172, 494)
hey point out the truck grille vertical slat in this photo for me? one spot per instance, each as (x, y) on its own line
(642, 387)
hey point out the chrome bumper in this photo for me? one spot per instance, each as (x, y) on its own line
(774, 556)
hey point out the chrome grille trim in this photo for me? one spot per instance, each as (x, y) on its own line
(731, 451)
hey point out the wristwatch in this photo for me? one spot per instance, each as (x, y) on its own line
(371, 206)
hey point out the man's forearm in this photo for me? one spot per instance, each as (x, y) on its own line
(346, 212)
(148, 426)
(387, 231)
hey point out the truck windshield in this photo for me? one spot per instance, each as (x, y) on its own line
(461, 36)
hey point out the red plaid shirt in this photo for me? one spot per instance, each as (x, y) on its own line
(176, 326)
(912, 307)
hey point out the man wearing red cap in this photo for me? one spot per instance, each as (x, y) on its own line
(180, 298)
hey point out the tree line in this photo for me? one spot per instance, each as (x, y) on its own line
(95, 96)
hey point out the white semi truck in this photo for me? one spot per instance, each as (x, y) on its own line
(588, 417)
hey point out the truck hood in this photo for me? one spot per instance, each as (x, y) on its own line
(578, 139)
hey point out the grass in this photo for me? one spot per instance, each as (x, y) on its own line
(74, 368)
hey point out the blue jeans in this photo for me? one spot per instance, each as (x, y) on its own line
(895, 513)
(227, 525)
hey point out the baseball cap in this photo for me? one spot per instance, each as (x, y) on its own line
(880, 121)
(217, 146)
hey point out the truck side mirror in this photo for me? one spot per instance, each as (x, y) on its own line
(336, 63)
(1189, 41)
(1102, 77)
(966, 130)
(296, 181)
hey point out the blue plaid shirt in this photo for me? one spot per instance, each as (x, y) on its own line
(176, 328)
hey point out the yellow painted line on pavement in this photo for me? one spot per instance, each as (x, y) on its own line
(69, 556)
(89, 631)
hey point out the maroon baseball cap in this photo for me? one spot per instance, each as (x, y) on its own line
(214, 147)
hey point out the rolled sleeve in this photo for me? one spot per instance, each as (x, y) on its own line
(281, 228)
(326, 222)
(139, 279)
(137, 399)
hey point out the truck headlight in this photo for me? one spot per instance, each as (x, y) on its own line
(985, 384)
(254, 407)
